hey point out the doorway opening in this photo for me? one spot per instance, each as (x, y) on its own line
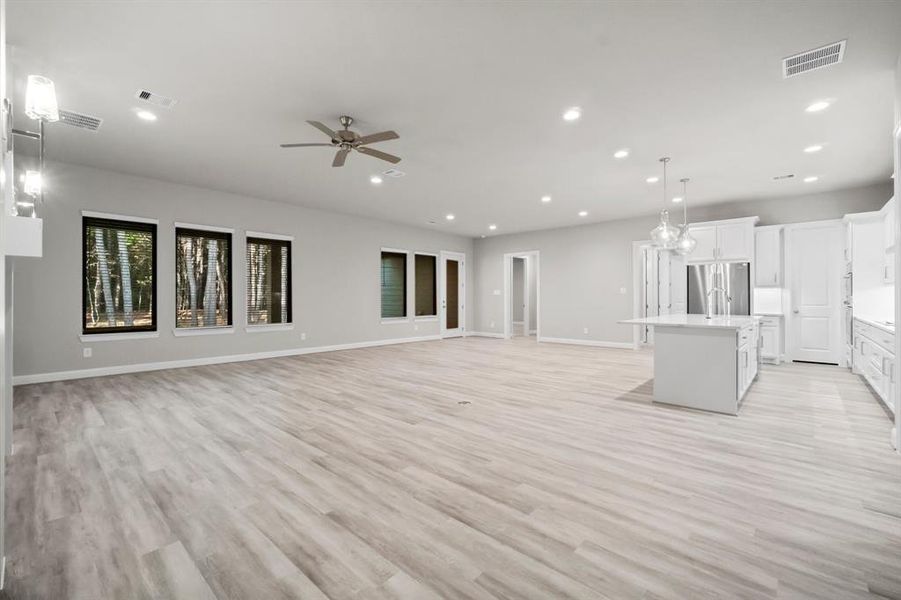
(660, 280)
(521, 295)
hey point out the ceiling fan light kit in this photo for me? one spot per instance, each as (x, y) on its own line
(347, 141)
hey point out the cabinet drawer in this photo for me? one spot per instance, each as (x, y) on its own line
(769, 322)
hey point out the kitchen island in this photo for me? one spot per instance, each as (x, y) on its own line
(703, 363)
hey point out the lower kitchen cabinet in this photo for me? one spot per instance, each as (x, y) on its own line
(874, 359)
(771, 339)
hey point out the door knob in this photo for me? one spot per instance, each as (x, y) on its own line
(796, 311)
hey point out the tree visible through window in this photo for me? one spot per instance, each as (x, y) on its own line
(268, 281)
(202, 278)
(119, 269)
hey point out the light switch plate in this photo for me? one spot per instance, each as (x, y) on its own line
(86, 352)
(585, 331)
(497, 292)
(303, 336)
(622, 291)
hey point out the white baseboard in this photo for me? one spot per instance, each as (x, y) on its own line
(3, 573)
(596, 343)
(207, 360)
(489, 334)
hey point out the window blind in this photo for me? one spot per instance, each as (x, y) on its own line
(203, 271)
(394, 285)
(119, 276)
(268, 281)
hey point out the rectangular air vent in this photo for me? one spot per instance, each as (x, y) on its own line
(80, 120)
(393, 173)
(156, 99)
(778, 177)
(811, 60)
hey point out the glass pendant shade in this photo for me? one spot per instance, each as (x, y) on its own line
(664, 235)
(32, 183)
(685, 243)
(40, 99)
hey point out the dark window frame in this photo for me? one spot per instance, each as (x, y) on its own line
(434, 259)
(406, 309)
(88, 221)
(208, 233)
(289, 283)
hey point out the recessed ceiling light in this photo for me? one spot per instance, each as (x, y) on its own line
(583, 213)
(572, 114)
(146, 115)
(677, 199)
(652, 179)
(545, 199)
(818, 106)
(812, 149)
(810, 179)
(621, 153)
(492, 227)
(449, 217)
(375, 179)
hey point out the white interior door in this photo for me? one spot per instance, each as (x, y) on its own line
(453, 294)
(814, 258)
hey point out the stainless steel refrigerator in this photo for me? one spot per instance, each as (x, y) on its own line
(734, 278)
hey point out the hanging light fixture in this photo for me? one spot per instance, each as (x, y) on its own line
(685, 243)
(664, 235)
(40, 99)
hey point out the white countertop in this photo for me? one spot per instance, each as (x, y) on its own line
(877, 324)
(717, 322)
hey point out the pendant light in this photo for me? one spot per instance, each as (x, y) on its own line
(664, 235)
(685, 243)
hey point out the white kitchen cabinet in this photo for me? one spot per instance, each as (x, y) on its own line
(705, 250)
(771, 339)
(874, 358)
(768, 256)
(728, 240)
(890, 225)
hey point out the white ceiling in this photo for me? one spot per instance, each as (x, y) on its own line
(476, 92)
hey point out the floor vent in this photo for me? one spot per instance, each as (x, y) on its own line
(156, 99)
(812, 60)
(80, 120)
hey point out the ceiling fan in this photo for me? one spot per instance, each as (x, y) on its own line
(346, 140)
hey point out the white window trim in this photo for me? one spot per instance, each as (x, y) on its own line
(115, 337)
(268, 236)
(425, 318)
(102, 215)
(189, 331)
(213, 228)
(395, 320)
(269, 327)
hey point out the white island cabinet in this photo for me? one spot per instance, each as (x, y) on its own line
(701, 363)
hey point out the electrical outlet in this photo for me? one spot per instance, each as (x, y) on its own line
(415, 327)
(492, 324)
(86, 352)
(622, 291)
(303, 336)
(585, 331)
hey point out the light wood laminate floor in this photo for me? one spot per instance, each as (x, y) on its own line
(360, 475)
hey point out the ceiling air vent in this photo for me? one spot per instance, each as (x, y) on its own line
(393, 173)
(80, 120)
(780, 177)
(811, 60)
(157, 99)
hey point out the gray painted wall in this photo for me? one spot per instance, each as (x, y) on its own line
(584, 268)
(336, 281)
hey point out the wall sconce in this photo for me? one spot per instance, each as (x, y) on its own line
(40, 105)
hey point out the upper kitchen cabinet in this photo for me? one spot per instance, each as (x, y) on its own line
(768, 256)
(890, 238)
(728, 240)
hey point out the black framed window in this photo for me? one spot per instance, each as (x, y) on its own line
(268, 281)
(426, 285)
(118, 276)
(394, 284)
(203, 277)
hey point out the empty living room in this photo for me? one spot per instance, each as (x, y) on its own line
(429, 299)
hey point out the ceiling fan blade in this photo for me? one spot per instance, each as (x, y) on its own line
(323, 129)
(301, 145)
(379, 154)
(378, 137)
(340, 157)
